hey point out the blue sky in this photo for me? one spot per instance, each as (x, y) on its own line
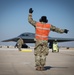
(14, 17)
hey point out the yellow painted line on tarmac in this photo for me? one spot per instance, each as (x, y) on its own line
(26, 50)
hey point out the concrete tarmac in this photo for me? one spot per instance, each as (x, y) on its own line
(14, 62)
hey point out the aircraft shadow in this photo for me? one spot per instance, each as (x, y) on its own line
(49, 67)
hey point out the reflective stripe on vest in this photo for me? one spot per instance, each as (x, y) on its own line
(43, 28)
(42, 31)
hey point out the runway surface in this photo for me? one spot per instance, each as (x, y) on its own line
(14, 62)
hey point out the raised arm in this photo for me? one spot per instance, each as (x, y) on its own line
(30, 19)
(58, 30)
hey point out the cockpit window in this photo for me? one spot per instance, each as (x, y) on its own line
(27, 34)
(24, 35)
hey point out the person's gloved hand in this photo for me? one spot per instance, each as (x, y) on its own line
(30, 10)
(66, 31)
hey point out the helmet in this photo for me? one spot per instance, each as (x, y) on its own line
(43, 19)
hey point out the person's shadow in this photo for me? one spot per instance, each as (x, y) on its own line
(49, 67)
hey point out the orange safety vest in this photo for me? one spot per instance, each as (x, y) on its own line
(42, 31)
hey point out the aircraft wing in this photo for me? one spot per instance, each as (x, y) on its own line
(12, 39)
(60, 39)
(29, 38)
(26, 40)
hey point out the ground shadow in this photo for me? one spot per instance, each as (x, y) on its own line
(49, 67)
